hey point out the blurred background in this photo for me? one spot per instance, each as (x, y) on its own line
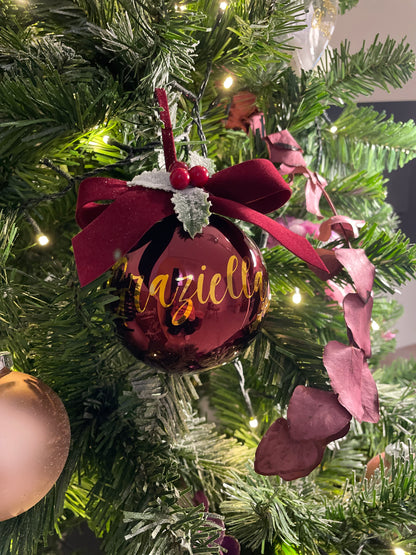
(396, 20)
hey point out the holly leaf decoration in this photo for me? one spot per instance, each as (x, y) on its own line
(192, 208)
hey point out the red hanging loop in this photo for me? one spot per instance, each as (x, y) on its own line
(167, 134)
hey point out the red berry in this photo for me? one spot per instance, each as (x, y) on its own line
(180, 178)
(199, 176)
(178, 164)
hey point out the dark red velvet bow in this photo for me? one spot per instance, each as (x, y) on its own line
(246, 191)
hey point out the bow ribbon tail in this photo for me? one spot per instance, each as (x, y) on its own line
(296, 244)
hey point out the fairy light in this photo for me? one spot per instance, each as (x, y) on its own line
(333, 129)
(399, 551)
(223, 6)
(297, 297)
(253, 422)
(106, 139)
(42, 240)
(228, 82)
(374, 325)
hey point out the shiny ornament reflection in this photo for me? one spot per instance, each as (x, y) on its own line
(34, 441)
(191, 304)
(312, 41)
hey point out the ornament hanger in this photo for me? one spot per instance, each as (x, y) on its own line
(167, 132)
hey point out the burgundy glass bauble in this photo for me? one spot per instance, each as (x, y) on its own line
(190, 304)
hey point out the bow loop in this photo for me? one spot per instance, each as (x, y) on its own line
(111, 230)
(255, 183)
(95, 189)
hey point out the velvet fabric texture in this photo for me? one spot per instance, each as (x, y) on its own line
(246, 191)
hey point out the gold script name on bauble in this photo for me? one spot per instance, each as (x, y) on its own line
(34, 441)
(191, 304)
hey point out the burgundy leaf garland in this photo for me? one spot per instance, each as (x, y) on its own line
(282, 454)
(284, 150)
(352, 380)
(293, 447)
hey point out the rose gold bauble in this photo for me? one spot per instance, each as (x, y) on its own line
(34, 441)
(374, 464)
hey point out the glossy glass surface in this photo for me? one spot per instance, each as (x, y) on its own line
(34, 441)
(191, 304)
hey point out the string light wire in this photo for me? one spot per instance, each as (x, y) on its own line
(253, 423)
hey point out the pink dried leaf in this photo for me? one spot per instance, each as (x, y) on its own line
(342, 225)
(279, 454)
(221, 528)
(314, 414)
(313, 192)
(243, 106)
(360, 269)
(283, 149)
(330, 261)
(231, 545)
(351, 379)
(256, 122)
(358, 317)
(298, 226)
(369, 396)
(201, 499)
(337, 292)
(290, 171)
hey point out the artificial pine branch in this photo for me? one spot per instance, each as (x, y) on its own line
(363, 523)
(369, 139)
(382, 64)
(262, 510)
(345, 5)
(392, 254)
(139, 448)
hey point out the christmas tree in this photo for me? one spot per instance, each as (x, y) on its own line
(162, 461)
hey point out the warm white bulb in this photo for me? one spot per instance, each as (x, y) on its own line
(399, 551)
(333, 129)
(374, 325)
(42, 240)
(106, 139)
(182, 8)
(253, 423)
(228, 82)
(297, 297)
(223, 6)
